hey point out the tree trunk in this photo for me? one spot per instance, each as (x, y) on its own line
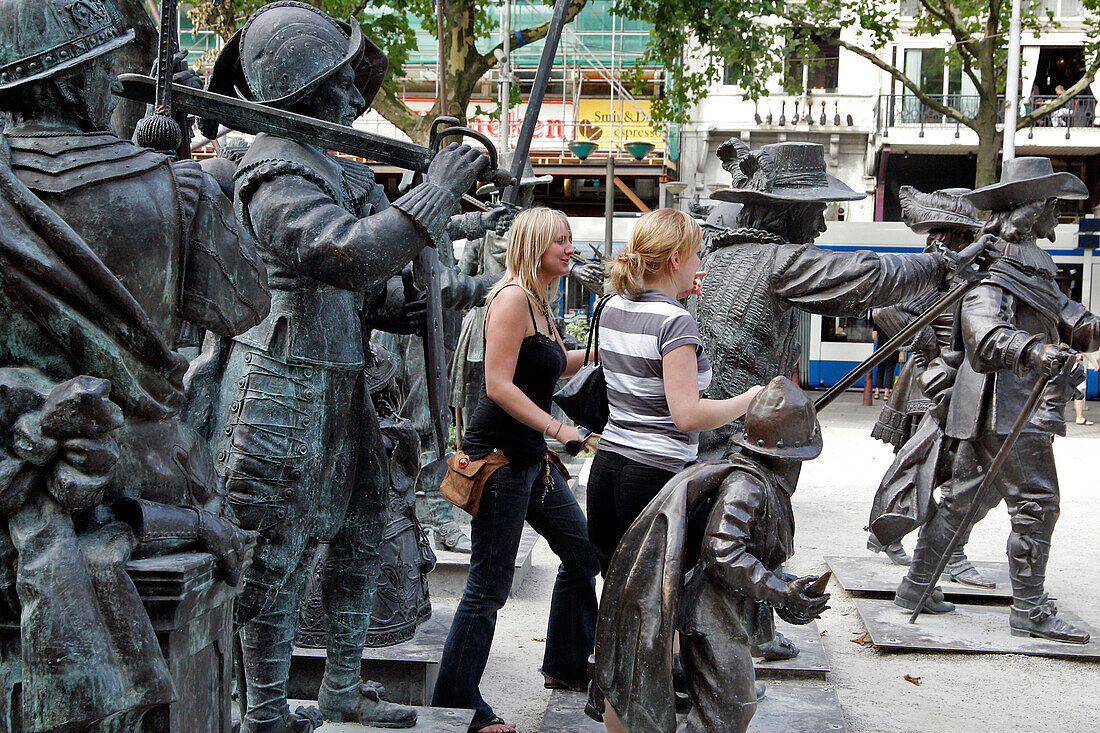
(989, 144)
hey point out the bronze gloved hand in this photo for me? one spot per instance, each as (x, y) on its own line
(797, 607)
(456, 167)
(499, 218)
(1048, 360)
(960, 261)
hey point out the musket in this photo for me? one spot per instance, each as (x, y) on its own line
(534, 102)
(986, 485)
(902, 337)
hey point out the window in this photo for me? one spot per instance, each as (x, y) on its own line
(847, 329)
(909, 8)
(1061, 8)
(823, 63)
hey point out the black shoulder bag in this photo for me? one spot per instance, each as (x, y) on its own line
(584, 397)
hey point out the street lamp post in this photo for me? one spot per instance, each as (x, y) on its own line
(1012, 84)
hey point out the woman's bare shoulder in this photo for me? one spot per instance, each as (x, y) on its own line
(509, 306)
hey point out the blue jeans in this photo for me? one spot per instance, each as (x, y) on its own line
(511, 496)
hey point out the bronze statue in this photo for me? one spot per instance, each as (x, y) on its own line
(759, 274)
(724, 606)
(950, 221)
(297, 436)
(107, 249)
(1013, 328)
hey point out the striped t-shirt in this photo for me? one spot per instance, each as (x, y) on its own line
(635, 335)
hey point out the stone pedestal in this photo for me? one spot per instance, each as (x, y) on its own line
(192, 615)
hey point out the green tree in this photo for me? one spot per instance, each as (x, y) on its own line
(754, 39)
(389, 24)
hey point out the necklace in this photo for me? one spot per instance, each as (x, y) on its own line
(544, 307)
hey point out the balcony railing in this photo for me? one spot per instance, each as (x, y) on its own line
(907, 111)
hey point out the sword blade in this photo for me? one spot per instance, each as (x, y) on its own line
(254, 118)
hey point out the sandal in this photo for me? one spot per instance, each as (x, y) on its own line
(488, 723)
(1084, 422)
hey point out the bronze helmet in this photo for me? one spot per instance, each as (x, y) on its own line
(781, 421)
(40, 38)
(287, 49)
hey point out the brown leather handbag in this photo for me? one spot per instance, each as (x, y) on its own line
(465, 479)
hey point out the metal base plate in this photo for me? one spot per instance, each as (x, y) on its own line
(981, 629)
(809, 663)
(407, 670)
(451, 568)
(876, 575)
(428, 720)
(792, 707)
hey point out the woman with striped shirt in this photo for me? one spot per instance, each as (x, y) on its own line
(656, 371)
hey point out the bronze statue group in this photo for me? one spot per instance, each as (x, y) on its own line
(290, 449)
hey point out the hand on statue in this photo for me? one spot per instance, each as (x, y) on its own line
(414, 314)
(227, 542)
(184, 74)
(499, 218)
(456, 167)
(799, 608)
(590, 275)
(1049, 360)
(984, 249)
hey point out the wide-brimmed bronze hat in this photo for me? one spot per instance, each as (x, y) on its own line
(781, 172)
(1027, 179)
(781, 421)
(287, 49)
(943, 209)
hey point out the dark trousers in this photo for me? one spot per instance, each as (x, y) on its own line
(618, 490)
(511, 496)
(884, 372)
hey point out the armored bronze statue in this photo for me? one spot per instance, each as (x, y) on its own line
(401, 601)
(297, 437)
(723, 606)
(107, 248)
(761, 273)
(1011, 330)
(906, 490)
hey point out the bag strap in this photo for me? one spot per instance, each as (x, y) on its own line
(594, 331)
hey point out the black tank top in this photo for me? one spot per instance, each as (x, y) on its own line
(540, 363)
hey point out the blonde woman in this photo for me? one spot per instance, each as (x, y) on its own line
(524, 358)
(656, 370)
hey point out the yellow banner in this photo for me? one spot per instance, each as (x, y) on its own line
(602, 121)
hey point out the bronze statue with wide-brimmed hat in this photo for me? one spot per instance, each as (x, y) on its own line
(760, 274)
(924, 456)
(1015, 328)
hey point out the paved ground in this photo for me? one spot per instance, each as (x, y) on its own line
(957, 692)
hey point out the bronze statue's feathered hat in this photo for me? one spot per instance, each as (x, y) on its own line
(943, 209)
(783, 172)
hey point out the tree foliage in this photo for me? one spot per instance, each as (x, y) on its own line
(752, 41)
(390, 24)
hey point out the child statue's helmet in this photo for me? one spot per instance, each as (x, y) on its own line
(781, 421)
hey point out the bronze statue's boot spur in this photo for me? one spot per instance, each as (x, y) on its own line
(362, 703)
